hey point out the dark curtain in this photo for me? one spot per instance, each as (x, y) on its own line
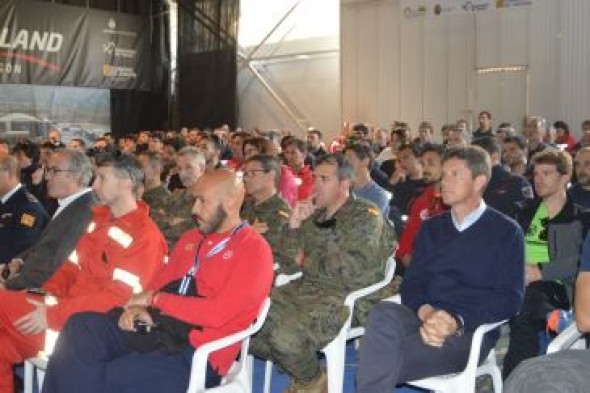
(207, 49)
(134, 110)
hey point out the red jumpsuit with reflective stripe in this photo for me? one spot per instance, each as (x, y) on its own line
(115, 258)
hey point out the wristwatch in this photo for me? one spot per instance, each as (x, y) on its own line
(460, 324)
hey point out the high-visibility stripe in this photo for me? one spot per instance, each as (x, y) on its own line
(165, 259)
(128, 278)
(74, 258)
(91, 227)
(50, 300)
(121, 237)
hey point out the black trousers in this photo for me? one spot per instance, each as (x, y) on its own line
(392, 351)
(540, 298)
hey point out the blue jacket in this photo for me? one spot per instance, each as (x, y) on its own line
(22, 218)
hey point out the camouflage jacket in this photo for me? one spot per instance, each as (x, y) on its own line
(275, 213)
(156, 198)
(175, 216)
(346, 252)
(342, 254)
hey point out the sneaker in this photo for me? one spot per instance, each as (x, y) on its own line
(317, 385)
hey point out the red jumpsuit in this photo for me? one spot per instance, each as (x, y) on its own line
(114, 259)
(232, 284)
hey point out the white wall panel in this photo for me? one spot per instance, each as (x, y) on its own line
(433, 62)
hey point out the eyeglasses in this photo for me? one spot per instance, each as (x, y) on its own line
(51, 171)
(252, 172)
(544, 234)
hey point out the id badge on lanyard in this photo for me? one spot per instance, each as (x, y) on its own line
(190, 275)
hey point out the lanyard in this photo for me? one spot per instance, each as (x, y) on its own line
(184, 284)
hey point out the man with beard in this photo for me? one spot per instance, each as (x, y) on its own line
(211, 147)
(427, 205)
(506, 192)
(68, 173)
(342, 244)
(174, 217)
(580, 191)
(214, 284)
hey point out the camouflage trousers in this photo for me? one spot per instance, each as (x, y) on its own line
(301, 321)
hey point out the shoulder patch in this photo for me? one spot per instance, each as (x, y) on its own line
(374, 211)
(27, 220)
(283, 213)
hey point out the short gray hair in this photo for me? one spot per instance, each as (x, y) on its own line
(193, 154)
(79, 163)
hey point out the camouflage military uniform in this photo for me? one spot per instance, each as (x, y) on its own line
(341, 255)
(175, 216)
(156, 197)
(274, 212)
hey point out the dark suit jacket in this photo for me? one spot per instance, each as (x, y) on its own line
(56, 243)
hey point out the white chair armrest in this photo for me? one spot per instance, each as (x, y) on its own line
(565, 339)
(475, 351)
(389, 272)
(201, 355)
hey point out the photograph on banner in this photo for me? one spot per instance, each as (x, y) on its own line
(434, 8)
(29, 112)
(55, 44)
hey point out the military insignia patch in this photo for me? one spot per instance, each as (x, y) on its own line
(27, 220)
(189, 247)
(283, 214)
(374, 211)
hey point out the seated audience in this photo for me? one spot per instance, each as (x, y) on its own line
(68, 175)
(580, 190)
(342, 244)
(363, 186)
(315, 144)
(22, 217)
(564, 137)
(515, 156)
(555, 229)
(506, 192)
(175, 217)
(295, 152)
(155, 194)
(445, 295)
(265, 210)
(120, 252)
(485, 126)
(568, 370)
(426, 205)
(213, 285)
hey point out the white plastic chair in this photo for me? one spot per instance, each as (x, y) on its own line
(570, 338)
(38, 365)
(464, 381)
(238, 379)
(335, 351)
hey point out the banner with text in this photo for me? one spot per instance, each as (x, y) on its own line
(53, 44)
(433, 8)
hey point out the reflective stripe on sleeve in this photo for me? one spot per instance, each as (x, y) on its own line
(91, 227)
(128, 278)
(74, 258)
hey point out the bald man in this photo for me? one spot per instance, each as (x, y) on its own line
(214, 284)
